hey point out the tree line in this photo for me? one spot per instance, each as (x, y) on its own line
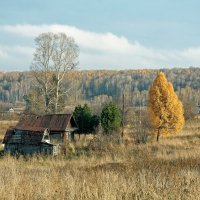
(100, 86)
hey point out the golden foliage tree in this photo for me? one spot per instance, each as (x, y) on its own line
(165, 109)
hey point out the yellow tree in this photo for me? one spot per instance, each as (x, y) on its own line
(165, 109)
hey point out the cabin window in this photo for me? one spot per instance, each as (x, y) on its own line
(46, 137)
(67, 135)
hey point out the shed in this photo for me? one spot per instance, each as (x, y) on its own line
(40, 134)
(61, 126)
(29, 142)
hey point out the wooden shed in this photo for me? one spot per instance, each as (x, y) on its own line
(40, 134)
(61, 126)
(29, 142)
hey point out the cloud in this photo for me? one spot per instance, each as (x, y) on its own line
(102, 50)
(85, 39)
(15, 57)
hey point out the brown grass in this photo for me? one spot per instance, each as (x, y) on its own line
(169, 169)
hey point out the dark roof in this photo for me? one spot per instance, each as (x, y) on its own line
(8, 135)
(30, 128)
(54, 122)
(22, 137)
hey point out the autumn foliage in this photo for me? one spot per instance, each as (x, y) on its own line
(165, 109)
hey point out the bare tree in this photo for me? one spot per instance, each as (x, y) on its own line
(54, 56)
(64, 59)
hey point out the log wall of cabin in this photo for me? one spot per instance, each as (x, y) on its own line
(28, 149)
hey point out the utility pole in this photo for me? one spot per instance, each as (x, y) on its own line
(123, 114)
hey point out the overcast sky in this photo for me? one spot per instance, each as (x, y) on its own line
(111, 34)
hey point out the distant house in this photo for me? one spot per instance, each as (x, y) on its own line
(40, 134)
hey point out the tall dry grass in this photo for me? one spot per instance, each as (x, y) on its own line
(169, 169)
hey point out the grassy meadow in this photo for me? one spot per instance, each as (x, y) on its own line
(109, 170)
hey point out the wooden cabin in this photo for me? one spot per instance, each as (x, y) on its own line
(29, 142)
(61, 126)
(40, 134)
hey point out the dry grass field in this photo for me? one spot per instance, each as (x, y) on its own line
(169, 169)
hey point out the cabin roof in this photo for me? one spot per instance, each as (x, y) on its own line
(12, 136)
(8, 135)
(54, 122)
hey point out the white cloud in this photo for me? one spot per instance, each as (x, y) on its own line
(15, 57)
(85, 39)
(103, 50)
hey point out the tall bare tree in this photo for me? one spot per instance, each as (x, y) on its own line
(55, 54)
(64, 58)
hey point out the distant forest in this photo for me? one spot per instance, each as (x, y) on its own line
(100, 86)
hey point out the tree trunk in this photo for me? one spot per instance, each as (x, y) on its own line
(46, 102)
(57, 96)
(56, 103)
